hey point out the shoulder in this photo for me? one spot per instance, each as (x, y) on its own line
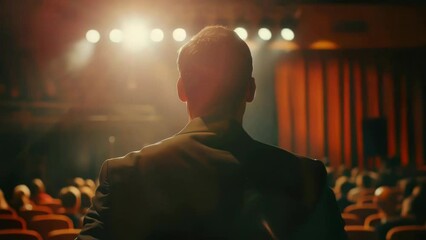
(295, 163)
(145, 158)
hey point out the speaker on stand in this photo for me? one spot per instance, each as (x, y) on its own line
(375, 139)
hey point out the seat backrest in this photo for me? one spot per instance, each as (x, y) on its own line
(12, 222)
(407, 232)
(360, 233)
(47, 223)
(372, 220)
(63, 234)
(55, 205)
(362, 200)
(363, 211)
(351, 219)
(27, 215)
(21, 234)
(7, 211)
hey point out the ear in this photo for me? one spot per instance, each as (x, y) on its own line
(251, 90)
(181, 90)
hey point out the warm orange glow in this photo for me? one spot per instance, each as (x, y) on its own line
(284, 45)
(323, 44)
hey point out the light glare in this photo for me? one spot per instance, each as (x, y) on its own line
(241, 32)
(157, 35)
(265, 34)
(179, 34)
(116, 35)
(287, 34)
(93, 36)
(135, 35)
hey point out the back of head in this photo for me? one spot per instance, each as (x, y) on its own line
(86, 197)
(36, 186)
(70, 198)
(215, 67)
(387, 200)
(418, 203)
(364, 180)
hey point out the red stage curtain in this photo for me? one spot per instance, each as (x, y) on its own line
(324, 96)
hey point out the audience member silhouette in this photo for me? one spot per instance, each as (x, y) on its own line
(71, 200)
(38, 192)
(364, 187)
(21, 198)
(387, 201)
(343, 186)
(212, 180)
(86, 199)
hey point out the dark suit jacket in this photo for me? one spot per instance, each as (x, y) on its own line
(212, 181)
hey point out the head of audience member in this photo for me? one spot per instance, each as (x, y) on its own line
(343, 171)
(86, 198)
(90, 183)
(387, 200)
(21, 198)
(418, 203)
(340, 181)
(215, 74)
(38, 191)
(3, 202)
(364, 180)
(78, 182)
(71, 199)
(409, 186)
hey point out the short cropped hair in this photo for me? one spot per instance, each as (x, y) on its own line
(216, 61)
(70, 197)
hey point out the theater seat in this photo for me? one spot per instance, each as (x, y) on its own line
(21, 234)
(7, 211)
(55, 205)
(12, 222)
(27, 215)
(351, 219)
(360, 233)
(63, 234)
(407, 232)
(363, 211)
(372, 220)
(47, 223)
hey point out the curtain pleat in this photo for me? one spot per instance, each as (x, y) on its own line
(323, 98)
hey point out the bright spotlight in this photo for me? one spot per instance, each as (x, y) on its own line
(157, 35)
(93, 36)
(265, 34)
(287, 34)
(241, 32)
(135, 35)
(116, 35)
(179, 34)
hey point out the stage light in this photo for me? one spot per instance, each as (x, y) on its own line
(93, 36)
(287, 34)
(179, 34)
(265, 34)
(157, 35)
(241, 32)
(135, 35)
(116, 35)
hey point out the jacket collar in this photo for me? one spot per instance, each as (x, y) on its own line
(228, 127)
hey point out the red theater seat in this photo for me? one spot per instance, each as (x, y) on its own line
(47, 223)
(63, 234)
(407, 233)
(12, 222)
(21, 234)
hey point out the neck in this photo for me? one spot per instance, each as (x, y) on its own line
(217, 114)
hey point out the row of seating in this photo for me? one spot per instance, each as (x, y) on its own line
(396, 233)
(25, 234)
(360, 220)
(38, 223)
